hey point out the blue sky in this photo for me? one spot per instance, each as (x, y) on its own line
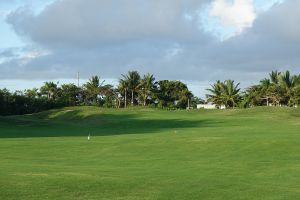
(196, 41)
(264, 5)
(8, 37)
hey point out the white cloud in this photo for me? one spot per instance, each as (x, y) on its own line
(36, 53)
(237, 14)
(27, 57)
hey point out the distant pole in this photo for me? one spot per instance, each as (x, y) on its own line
(132, 98)
(267, 98)
(188, 103)
(125, 103)
(78, 79)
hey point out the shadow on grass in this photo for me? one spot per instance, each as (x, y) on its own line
(75, 123)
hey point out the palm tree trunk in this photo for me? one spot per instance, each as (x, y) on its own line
(132, 98)
(125, 98)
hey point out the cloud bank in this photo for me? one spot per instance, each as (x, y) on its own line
(166, 38)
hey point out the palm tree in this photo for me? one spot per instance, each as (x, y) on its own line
(123, 86)
(147, 85)
(252, 96)
(224, 93)
(295, 96)
(50, 89)
(265, 86)
(273, 89)
(230, 93)
(215, 95)
(93, 88)
(118, 97)
(133, 80)
(288, 83)
(274, 76)
(296, 80)
(109, 96)
(286, 80)
(185, 97)
(32, 93)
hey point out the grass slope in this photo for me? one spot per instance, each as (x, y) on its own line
(151, 154)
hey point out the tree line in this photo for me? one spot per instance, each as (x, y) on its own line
(278, 89)
(132, 90)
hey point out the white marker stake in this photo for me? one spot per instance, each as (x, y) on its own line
(89, 137)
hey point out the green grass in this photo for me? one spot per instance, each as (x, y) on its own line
(151, 154)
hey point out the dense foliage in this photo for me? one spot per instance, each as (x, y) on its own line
(132, 90)
(224, 93)
(279, 89)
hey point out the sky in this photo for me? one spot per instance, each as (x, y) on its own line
(195, 41)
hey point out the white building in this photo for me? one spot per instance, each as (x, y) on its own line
(206, 106)
(222, 107)
(210, 106)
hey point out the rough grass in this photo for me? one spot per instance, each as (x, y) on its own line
(151, 154)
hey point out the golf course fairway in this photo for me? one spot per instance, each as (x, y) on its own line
(151, 154)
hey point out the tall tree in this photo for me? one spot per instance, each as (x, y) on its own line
(295, 96)
(147, 86)
(69, 93)
(5, 97)
(173, 94)
(32, 93)
(123, 88)
(274, 76)
(286, 80)
(92, 88)
(109, 95)
(133, 79)
(224, 93)
(50, 89)
(265, 90)
(231, 93)
(215, 95)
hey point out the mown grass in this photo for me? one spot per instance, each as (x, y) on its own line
(151, 154)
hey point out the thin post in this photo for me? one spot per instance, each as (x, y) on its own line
(78, 79)
(132, 98)
(125, 98)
